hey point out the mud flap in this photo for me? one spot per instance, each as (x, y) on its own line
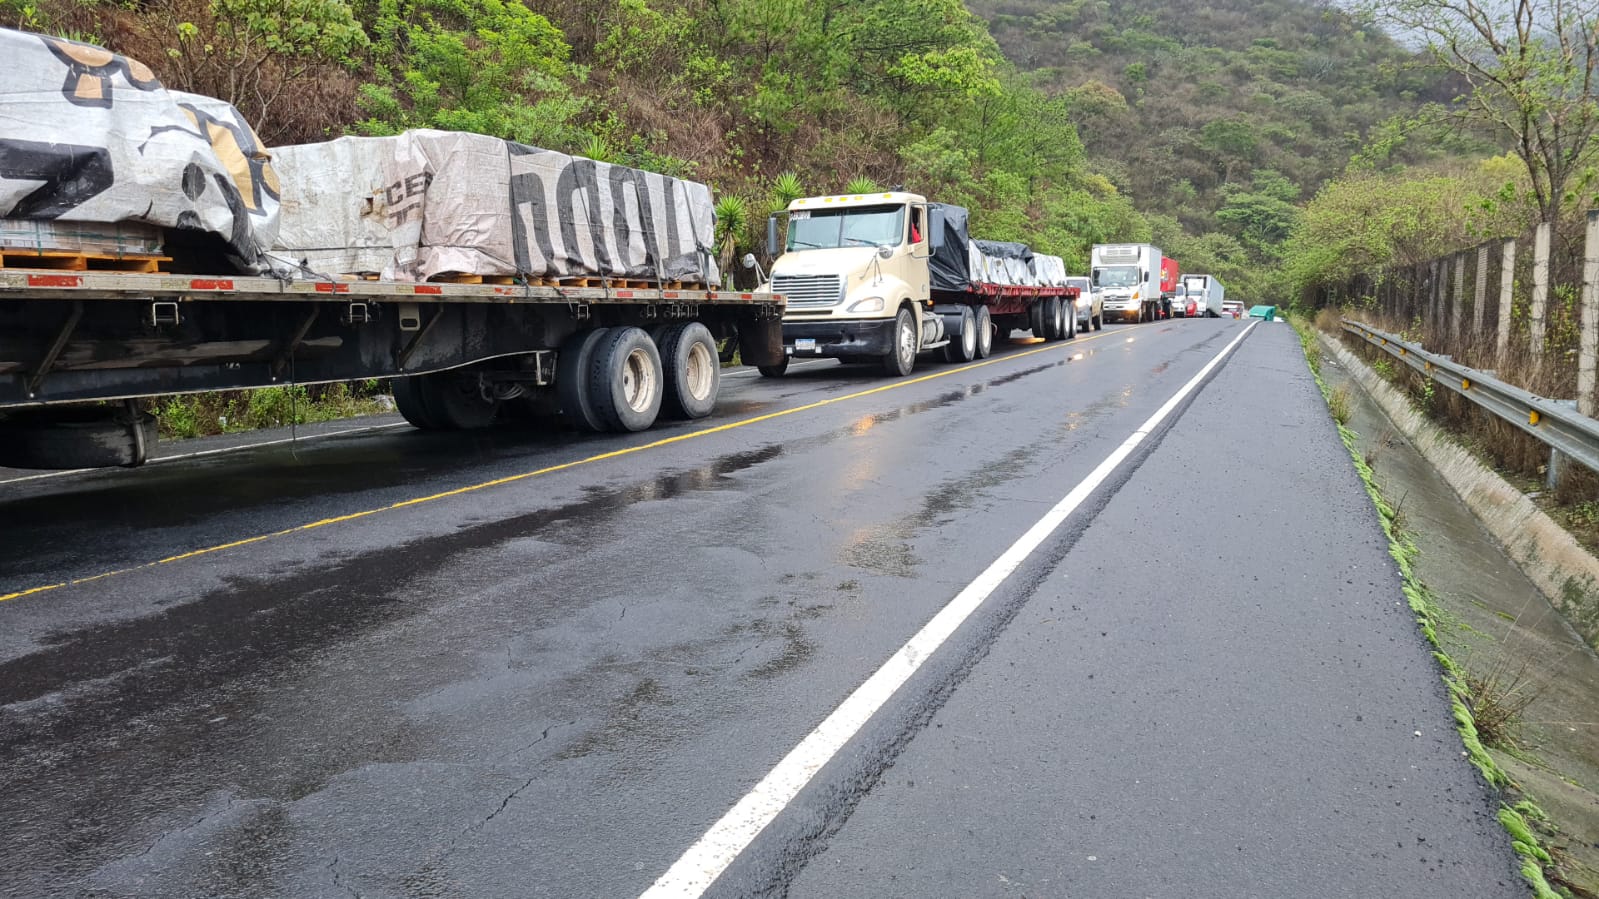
(761, 342)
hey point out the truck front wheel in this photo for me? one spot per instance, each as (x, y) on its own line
(901, 358)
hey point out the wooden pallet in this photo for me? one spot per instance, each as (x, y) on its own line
(73, 261)
(469, 278)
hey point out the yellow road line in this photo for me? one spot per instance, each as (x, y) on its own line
(498, 482)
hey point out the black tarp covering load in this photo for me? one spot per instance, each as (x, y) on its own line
(948, 262)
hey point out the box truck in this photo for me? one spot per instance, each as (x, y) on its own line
(1207, 293)
(1129, 279)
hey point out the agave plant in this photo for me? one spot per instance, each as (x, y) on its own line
(861, 184)
(786, 189)
(598, 150)
(732, 221)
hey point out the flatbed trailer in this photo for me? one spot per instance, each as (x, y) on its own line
(605, 356)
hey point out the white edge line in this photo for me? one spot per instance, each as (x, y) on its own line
(215, 452)
(705, 861)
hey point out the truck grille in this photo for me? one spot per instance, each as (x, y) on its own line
(809, 291)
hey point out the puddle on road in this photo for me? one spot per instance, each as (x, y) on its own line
(1497, 621)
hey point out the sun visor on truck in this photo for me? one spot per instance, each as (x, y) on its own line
(948, 262)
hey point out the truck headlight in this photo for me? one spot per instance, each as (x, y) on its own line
(870, 304)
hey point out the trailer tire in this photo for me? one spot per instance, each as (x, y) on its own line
(692, 372)
(774, 371)
(1056, 311)
(457, 401)
(985, 332)
(572, 381)
(962, 347)
(86, 438)
(901, 358)
(626, 380)
(410, 399)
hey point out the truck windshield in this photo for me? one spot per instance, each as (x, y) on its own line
(855, 226)
(1196, 286)
(1118, 276)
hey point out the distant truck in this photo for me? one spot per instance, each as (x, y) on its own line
(1130, 280)
(887, 276)
(1207, 293)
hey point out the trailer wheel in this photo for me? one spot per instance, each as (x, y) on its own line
(625, 380)
(410, 398)
(1055, 312)
(964, 347)
(572, 381)
(901, 358)
(1069, 308)
(83, 437)
(985, 332)
(458, 402)
(688, 355)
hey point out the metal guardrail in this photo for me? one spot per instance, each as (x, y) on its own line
(1555, 422)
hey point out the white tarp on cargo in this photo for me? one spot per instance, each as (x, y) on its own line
(89, 136)
(1049, 271)
(427, 203)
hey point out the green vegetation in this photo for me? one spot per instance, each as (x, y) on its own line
(230, 411)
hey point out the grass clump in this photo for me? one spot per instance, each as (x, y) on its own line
(232, 411)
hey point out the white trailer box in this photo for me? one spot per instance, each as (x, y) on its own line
(1207, 292)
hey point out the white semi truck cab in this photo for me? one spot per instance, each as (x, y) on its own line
(854, 271)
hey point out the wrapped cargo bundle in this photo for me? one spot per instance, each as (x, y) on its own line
(1009, 263)
(426, 204)
(1049, 271)
(90, 141)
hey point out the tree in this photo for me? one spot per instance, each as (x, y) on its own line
(487, 66)
(256, 54)
(1529, 68)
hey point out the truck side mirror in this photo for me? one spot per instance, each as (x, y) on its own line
(935, 229)
(1094, 278)
(771, 234)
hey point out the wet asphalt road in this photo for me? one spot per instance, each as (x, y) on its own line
(1204, 684)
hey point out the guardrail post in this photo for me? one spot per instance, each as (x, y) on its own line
(1457, 308)
(1479, 300)
(1540, 295)
(1432, 298)
(1588, 335)
(1507, 282)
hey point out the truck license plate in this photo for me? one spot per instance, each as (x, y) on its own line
(805, 345)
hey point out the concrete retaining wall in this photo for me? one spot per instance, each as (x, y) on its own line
(1566, 572)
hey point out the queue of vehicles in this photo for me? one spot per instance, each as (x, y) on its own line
(364, 258)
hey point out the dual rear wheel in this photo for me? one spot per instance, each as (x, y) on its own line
(606, 379)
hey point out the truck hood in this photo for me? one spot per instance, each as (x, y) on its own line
(838, 261)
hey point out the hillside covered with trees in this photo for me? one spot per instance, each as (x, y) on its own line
(1084, 122)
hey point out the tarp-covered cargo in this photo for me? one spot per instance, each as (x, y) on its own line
(1049, 271)
(87, 136)
(429, 203)
(1009, 263)
(951, 264)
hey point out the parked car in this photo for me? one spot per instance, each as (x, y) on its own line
(1090, 303)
